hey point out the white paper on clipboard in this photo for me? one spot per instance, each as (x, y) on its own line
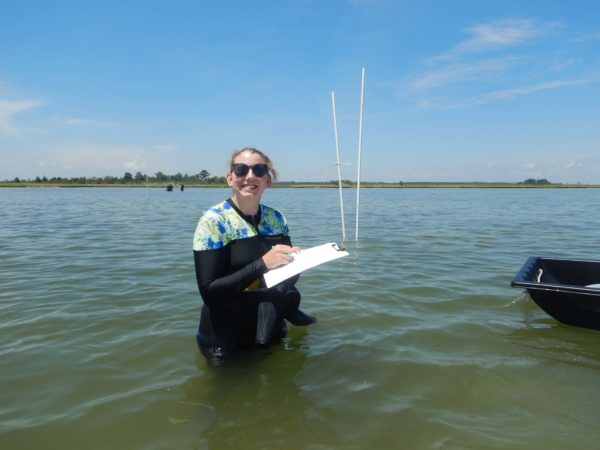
(305, 260)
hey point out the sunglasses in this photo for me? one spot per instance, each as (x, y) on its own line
(241, 169)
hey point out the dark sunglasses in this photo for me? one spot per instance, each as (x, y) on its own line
(241, 169)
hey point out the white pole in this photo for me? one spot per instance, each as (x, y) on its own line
(337, 153)
(360, 127)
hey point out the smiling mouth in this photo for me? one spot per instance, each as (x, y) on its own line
(250, 187)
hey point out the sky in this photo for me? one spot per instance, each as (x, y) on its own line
(496, 91)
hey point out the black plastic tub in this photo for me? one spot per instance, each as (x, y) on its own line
(567, 289)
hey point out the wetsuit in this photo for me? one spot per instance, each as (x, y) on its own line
(239, 311)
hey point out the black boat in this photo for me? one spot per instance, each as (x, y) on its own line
(567, 289)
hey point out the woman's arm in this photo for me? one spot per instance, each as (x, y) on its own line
(216, 285)
(217, 282)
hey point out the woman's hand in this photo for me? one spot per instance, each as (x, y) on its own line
(279, 255)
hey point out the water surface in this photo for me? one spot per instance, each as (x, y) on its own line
(421, 342)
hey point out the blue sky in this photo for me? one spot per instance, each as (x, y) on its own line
(455, 90)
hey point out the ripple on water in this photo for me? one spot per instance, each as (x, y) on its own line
(421, 342)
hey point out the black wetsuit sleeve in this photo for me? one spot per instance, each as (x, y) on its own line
(216, 286)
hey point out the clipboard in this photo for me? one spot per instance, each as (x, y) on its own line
(305, 260)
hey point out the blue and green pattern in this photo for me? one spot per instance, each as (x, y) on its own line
(222, 224)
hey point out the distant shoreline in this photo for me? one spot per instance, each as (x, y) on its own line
(316, 185)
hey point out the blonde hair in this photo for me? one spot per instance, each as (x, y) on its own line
(272, 172)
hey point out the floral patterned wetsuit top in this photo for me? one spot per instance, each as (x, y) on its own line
(222, 224)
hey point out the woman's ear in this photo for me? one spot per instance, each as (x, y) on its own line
(229, 178)
(269, 180)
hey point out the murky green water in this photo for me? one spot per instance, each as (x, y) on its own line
(420, 344)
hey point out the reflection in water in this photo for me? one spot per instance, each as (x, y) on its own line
(558, 343)
(254, 401)
(546, 339)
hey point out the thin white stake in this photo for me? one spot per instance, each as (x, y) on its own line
(360, 128)
(337, 153)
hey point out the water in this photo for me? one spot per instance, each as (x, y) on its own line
(420, 344)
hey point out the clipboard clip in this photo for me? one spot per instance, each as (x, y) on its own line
(338, 247)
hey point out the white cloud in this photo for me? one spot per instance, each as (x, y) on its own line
(9, 108)
(460, 65)
(509, 94)
(461, 72)
(135, 164)
(500, 95)
(555, 169)
(92, 159)
(82, 122)
(499, 34)
(85, 159)
(564, 64)
(466, 76)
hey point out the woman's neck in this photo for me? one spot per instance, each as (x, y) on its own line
(247, 206)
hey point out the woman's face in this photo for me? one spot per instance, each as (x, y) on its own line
(248, 186)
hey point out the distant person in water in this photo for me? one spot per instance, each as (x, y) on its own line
(235, 243)
(182, 187)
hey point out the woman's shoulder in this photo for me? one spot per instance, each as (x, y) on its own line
(273, 221)
(270, 210)
(272, 213)
(216, 227)
(219, 209)
(221, 212)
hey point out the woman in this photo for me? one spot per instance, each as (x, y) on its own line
(236, 242)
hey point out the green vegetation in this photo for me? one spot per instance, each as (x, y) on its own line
(203, 179)
(542, 181)
(140, 179)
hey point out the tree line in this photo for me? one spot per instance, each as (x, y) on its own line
(536, 181)
(202, 177)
